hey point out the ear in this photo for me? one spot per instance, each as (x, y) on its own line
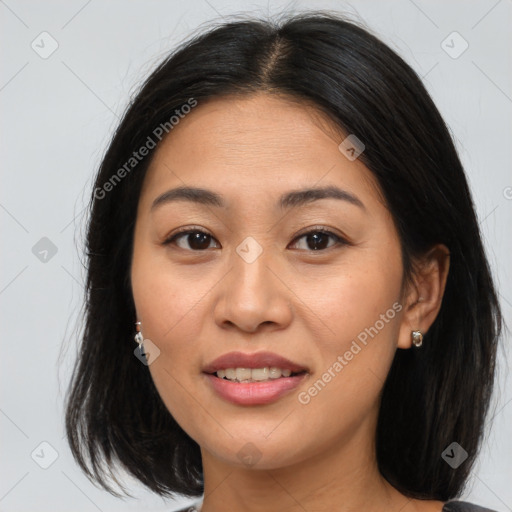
(424, 293)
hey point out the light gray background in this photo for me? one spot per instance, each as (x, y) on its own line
(58, 114)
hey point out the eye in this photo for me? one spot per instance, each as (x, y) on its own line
(318, 240)
(199, 240)
(191, 239)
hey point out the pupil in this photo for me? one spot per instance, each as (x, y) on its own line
(317, 241)
(199, 241)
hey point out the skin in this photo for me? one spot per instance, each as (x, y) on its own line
(306, 305)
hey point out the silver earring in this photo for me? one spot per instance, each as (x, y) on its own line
(417, 338)
(139, 338)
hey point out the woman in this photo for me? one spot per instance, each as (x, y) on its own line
(282, 223)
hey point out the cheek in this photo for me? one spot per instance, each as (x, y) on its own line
(169, 306)
(170, 309)
(362, 311)
(172, 304)
(359, 303)
(168, 303)
(165, 295)
(353, 296)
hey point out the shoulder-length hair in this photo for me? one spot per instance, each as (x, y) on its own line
(433, 396)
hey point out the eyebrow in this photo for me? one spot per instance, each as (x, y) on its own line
(288, 200)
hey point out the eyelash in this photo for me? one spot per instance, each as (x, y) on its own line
(339, 241)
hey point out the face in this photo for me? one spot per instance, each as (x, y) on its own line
(253, 267)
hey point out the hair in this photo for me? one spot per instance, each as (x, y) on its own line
(115, 418)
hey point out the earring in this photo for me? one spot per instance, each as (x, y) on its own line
(417, 338)
(139, 338)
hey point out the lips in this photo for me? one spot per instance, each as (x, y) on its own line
(255, 393)
(255, 360)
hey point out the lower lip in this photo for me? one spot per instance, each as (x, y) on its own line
(254, 393)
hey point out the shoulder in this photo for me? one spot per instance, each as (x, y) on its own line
(464, 506)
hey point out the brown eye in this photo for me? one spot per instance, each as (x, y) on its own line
(193, 240)
(318, 240)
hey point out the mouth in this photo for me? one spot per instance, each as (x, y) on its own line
(251, 375)
(253, 366)
(253, 379)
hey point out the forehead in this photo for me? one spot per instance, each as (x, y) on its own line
(260, 144)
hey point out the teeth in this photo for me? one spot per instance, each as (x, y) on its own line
(253, 375)
(259, 374)
(274, 373)
(243, 374)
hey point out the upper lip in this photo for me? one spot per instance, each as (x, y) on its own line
(254, 360)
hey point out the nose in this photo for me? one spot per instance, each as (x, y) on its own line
(252, 296)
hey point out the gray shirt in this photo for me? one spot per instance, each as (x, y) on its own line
(464, 506)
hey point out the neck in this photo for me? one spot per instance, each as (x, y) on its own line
(344, 478)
